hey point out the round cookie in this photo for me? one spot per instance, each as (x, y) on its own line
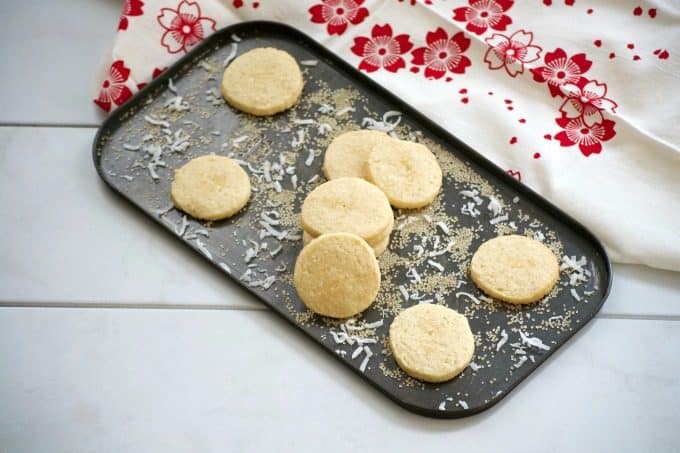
(378, 249)
(349, 205)
(407, 172)
(210, 187)
(262, 81)
(431, 342)
(337, 275)
(347, 154)
(514, 269)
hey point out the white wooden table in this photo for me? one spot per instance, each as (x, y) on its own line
(113, 337)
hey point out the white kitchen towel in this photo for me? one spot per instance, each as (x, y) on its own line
(578, 99)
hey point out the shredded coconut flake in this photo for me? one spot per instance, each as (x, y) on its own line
(232, 53)
(310, 158)
(403, 292)
(204, 64)
(534, 342)
(325, 108)
(495, 206)
(442, 226)
(472, 194)
(368, 356)
(299, 139)
(156, 122)
(470, 209)
(498, 219)
(469, 296)
(413, 276)
(436, 265)
(182, 227)
(202, 248)
(309, 62)
(503, 340)
(345, 110)
(475, 366)
(463, 404)
(324, 128)
(522, 361)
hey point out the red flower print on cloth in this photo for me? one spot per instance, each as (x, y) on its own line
(338, 14)
(184, 26)
(239, 4)
(484, 14)
(381, 50)
(560, 69)
(113, 89)
(442, 54)
(511, 52)
(586, 100)
(130, 8)
(588, 138)
(154, 75)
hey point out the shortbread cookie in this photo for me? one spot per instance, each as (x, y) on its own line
(262, 81)
(407, 172)
(349, 205)
(337, 275)
(210, 187)
(347, 154)
(431, 342)
(377, 249)
(515, 269)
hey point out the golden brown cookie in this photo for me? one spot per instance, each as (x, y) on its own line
(431, 342)
(407, 172)
(337, 275)
(514, 269)
(210, 187)
(347, 154)
(349, 205)
(262, 81)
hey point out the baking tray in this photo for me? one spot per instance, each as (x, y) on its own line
(430, 249)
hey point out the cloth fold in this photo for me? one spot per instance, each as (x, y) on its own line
(578, 99)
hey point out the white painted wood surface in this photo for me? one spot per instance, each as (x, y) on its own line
(111, 380)
(50, 51)
(231, 376)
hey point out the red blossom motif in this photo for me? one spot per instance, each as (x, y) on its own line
(414, 2)
(586, 100)
(113, 89)
(184, 26)
(515, 174)
(511, 52)
(381, 50)
(484, 14)
(442, 54)
(154, 75)
(338, 14)
(239, 3)
(130, 8)
(560, 70)
(588, 138)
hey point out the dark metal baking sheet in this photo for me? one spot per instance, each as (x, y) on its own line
(123, 150)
